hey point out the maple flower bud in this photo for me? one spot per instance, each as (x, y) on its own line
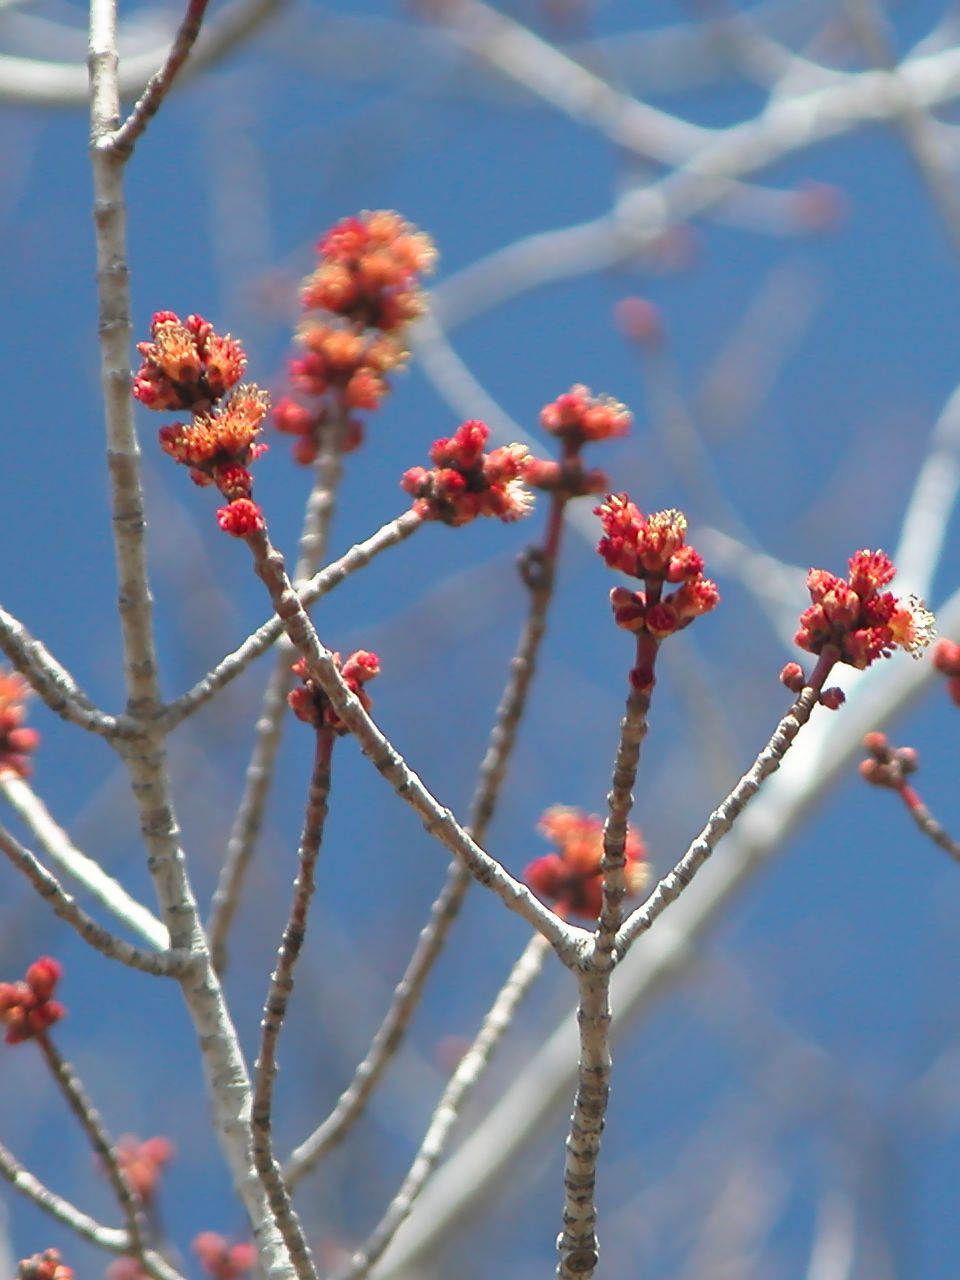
(309, 702)
(653, 548)
(26, 1008)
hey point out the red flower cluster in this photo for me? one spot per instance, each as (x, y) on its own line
(310, 704)
(465, 482)
(44, 1266)
(576, 418)
(144, 1162)
(887, 766)
(188, 366)
(571, 878)
(857, 619)
(26, 1007)
(946, 658)
(16, 742)
(367, 286)
(221, 1260)
(653, 548)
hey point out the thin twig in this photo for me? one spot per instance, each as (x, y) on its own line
(131, 1206)
(51, 681)
(785, 127)
(159, 963)
(633, 730)
(482, 1165)
(577, 1242)
(229, 667)
(926, 822)
(64, 84)
(719, 823)
(566, 939)
(568, 85)
(158, 86)
(915, 125)
(56, 844)
(449, 1108)
(227, 1077)
(248, 822)
(389, 1035)
(275, 1009)
(115, 1239)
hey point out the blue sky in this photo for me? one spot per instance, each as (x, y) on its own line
(815, 364)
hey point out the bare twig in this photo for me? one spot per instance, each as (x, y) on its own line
(916, 126)
(328, 472)
(443, 913)
(264, 637)
(275, 1009)
(720, 822)
(158, 86)
(566, 939)
(131, 1206)
(830, 742)
(160, 963)
(472, 1064)
(114, 1239)
(52, 682)
(64, 84)
(56, 844)
(228, 1080)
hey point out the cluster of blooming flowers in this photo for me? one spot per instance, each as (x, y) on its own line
(946, 658)
(16, 742)
(465, 482)
(44, 1266)
(654, 549)
(576, 418)
(571, 878)
(188, 366)
(856, 619)
(310, 704)
(360, 301)
(27, 1008)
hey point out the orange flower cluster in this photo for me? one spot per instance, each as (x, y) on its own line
(653, 548)
(363, 296)
(857, 619)
(465, 482)
(571, 878)
(309, 702)
(16, 742)
(576, 418)
(44, 1266)
(26, 1008)
(189, 366)
(221, 1260)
